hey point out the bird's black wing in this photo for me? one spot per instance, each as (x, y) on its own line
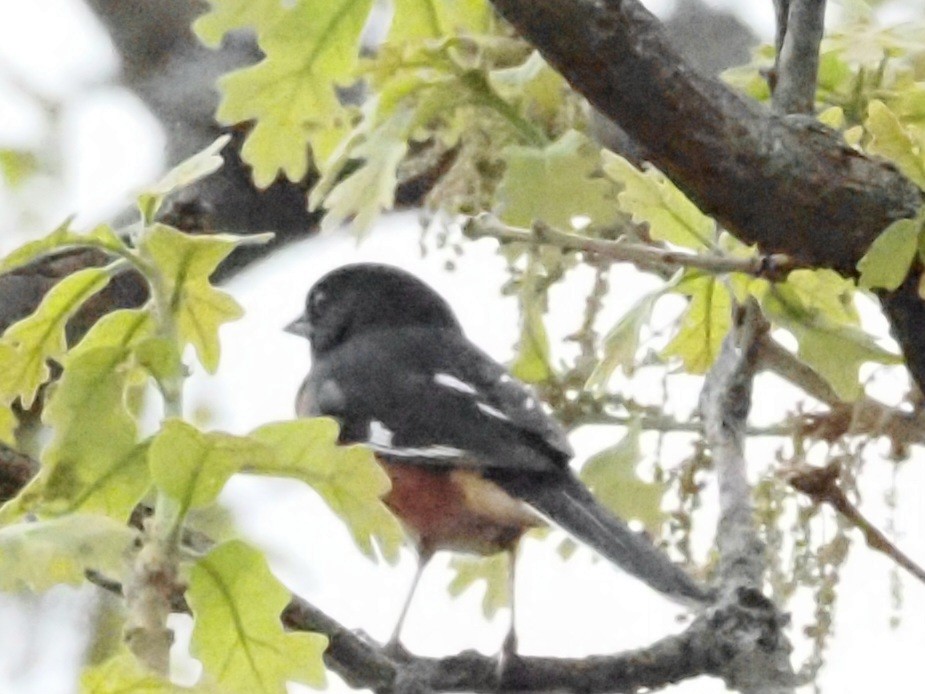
(421, 393)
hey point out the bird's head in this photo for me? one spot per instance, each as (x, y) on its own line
(365, 297)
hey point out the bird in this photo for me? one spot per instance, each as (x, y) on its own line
(473, 458)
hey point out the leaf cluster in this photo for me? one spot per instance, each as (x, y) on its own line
(71, 520)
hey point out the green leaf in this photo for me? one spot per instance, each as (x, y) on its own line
(38, 555)
(539, 91)
(124, 327)
(704, 324)
(102, 237)
(237, 635)
(555, 184)
(890, 139)
(890, 256)
(192, 466)
(185, 262)
(122, 674)
(93, 462)
(8, 423)
(183, 174)
(823, 292)
(347, 478)
(310, 47)
(431, 19)
(611, 475)
(31, 342)
(368, 190)
(17, 165)
(819, 338)
(654, 200)
(493, 571)
(622, 342)
(230, 15)
(531, 364)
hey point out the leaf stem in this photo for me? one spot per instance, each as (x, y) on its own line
(155, 573)
(486, 96)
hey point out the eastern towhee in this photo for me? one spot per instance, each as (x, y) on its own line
(473, 458)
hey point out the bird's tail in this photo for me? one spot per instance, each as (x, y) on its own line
(568, 503)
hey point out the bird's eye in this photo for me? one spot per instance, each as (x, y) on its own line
(316, 303)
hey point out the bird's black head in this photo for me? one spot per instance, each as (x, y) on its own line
(364, 297)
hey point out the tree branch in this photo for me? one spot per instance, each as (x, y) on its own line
(763, 666)
(645, 257)
(791, 187)
(821, 485)
(797, 63)
(711, 645)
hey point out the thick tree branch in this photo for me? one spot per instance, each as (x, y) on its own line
(791, 187)
(797, 62)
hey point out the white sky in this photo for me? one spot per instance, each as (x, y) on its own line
(110, 146)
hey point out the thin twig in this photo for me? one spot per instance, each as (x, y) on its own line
(645, 257)
(821, 485)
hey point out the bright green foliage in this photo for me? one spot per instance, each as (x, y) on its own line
(102, 237)
(890, 256)
(432, 19)
(192, 467)
(237, 635)
(622, 342)
(94, 462)
(823, 334)
(185, 263)
(17, 165)
(230, 15)
(370, 189)
(534, 87)
(555, 184)
(347, 478)
(38, 555)
(704, 324)
(531, 364)
(825, 292)
(122, 674)
(28, 344)
(903, 144)
(611, 475)
(310, 46)
(188, 171)
(493, 570)
(121, 328)
(652, 199)
(7, 423)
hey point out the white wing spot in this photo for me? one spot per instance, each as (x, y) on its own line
(423, 452)
(530, 403)
(505, 378)
(449, 381)
(379, 435)
(492, 412)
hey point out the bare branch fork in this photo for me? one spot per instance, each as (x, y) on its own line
(763, 664)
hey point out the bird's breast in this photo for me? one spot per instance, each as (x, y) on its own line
(456, 509)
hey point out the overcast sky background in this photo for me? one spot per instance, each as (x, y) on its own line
(107, 146)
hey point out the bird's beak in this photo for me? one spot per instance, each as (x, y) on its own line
(300, 326)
